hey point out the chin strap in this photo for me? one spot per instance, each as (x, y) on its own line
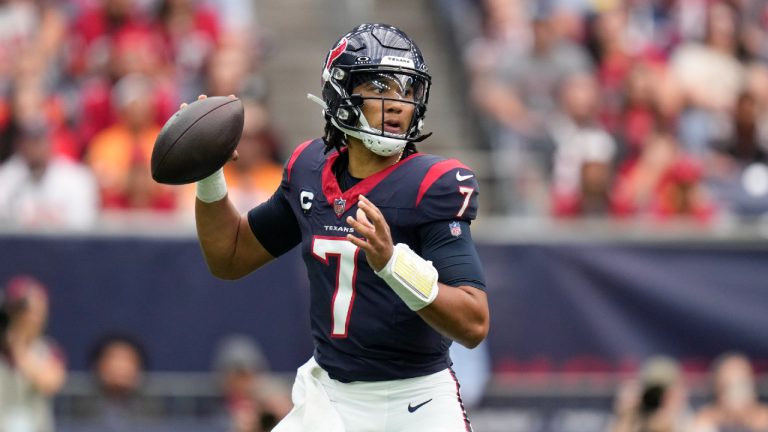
(371, 139)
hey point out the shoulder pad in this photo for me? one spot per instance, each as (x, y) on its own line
(296, 154)
(448, 190)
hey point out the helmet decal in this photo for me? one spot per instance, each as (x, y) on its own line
(397, 61)
(335, 53)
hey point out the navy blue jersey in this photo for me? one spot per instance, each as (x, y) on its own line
(362, 330)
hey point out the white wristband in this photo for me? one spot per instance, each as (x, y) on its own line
(212, 188)
(412, 277)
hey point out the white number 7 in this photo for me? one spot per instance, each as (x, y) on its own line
(467, 192)
(344, 295)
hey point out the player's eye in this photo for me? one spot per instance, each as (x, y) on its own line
(378, 87)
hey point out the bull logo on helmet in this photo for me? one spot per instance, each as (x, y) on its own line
(335, 53)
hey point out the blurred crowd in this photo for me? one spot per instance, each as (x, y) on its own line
(657, 400)
(650, 109)
(33, 370)
(85, 86)
(246, 396)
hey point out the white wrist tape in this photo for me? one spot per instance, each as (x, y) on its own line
(212, 188)
(412, 277)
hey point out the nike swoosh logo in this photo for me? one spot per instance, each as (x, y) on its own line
(415, 407)
(460, 177)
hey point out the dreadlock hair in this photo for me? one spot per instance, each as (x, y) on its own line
(334, 138)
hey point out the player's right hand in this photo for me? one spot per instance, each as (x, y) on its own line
(376, 238)
(183, 105)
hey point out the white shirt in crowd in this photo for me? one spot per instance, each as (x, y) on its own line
(65, 196)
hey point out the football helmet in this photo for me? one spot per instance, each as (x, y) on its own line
(386, 59)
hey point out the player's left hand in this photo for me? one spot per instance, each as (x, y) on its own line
(369, 222)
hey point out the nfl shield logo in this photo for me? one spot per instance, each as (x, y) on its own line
(339, 205)
(455, 228)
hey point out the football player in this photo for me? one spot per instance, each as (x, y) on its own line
(385, 235)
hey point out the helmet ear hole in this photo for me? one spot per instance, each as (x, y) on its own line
(339, 74)
(347, 115)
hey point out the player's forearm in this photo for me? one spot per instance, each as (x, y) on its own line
(218, 226)
(460, 313)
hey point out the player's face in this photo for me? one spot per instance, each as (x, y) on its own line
(388, 102)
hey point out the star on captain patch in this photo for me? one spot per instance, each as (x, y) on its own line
(339, 205)
(455, 228)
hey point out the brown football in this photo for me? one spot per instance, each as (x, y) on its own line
(197, 140)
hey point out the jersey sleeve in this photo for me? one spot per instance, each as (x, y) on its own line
(274, 224)
(448, 191)
(448, 244)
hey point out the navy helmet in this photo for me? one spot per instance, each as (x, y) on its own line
(385, 56)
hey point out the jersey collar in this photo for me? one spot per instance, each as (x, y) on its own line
(343, 201)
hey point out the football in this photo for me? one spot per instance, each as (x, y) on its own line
(197, 140)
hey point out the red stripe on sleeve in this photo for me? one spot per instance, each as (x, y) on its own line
(295, 156)
(434, 173)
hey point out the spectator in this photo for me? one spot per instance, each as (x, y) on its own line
(584, 152)
(238, 21)
(518, 95)
(592, 197)
(753, 37)
(93, 29)
(116, 404)
(505, 29)
(252, 400)
(120, 154)
(41, 189)
(712, 78)
(31, 33)
(735, 407)
(229, 72)
(136, 52)
(31, 367)
(191, 35)
(534, 77)
(611, 48)
(656, 402)
(662, 183)
(737, 171)
(639, 116)
(28, 102)
(745, 145)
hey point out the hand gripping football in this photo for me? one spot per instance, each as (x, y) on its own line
(197, 140)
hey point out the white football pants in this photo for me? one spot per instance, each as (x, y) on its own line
(424, 404)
